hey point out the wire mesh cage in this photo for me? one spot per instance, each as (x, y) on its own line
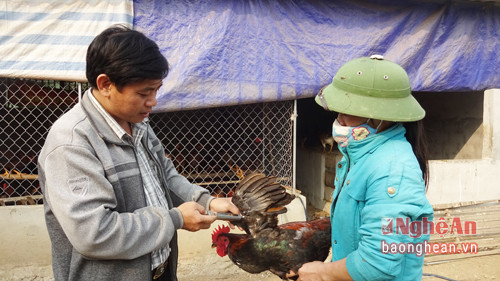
(28, 109)
(214, 148)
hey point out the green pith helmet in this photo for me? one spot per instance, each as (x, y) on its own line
(372, 88)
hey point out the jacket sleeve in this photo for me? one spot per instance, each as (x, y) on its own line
(84, 203)
(180, 189)
(391, 195)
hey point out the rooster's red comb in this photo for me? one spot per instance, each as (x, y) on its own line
(218, 231)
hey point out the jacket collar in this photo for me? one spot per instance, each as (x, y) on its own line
(356, 150)
(97, 120)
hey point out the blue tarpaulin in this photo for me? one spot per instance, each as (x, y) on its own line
(237, 52)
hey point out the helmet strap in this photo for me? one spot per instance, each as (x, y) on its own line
(379, 124)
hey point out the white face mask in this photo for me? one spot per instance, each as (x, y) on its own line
(343, 135)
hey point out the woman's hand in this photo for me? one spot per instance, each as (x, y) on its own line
(223, 205)
(312, 271)
(322, 271)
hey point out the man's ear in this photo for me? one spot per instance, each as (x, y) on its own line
(104, 84)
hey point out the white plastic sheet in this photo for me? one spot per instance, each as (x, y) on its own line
(49, 39)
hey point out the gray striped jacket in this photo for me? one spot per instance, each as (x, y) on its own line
(95, 208)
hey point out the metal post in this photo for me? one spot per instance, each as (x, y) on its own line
(294, 145)
(79, 91)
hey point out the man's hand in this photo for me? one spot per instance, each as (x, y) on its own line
(194, 216)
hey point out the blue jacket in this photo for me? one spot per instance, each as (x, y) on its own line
(379, 185)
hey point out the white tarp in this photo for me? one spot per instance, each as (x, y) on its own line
(49, 39)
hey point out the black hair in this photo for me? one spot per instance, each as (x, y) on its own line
(415, 135)
(126, 56)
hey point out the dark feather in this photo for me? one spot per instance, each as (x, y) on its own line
(248, 181)
(254, 196)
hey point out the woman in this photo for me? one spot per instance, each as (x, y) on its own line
(380, 216)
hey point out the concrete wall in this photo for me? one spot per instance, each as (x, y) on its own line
(315, 175)
(454, 181)
(454, 124)
(491, 123)
(311, 175)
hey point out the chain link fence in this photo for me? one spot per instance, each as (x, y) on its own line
(217, 147)
(214, 148)
(28, 109)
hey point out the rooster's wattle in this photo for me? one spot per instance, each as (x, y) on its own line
(267, 245)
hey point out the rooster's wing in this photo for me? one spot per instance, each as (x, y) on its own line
(260, 200)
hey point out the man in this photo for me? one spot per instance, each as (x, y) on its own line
(113, 201)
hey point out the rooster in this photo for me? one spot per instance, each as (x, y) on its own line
(265, 245)
(327, 140)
